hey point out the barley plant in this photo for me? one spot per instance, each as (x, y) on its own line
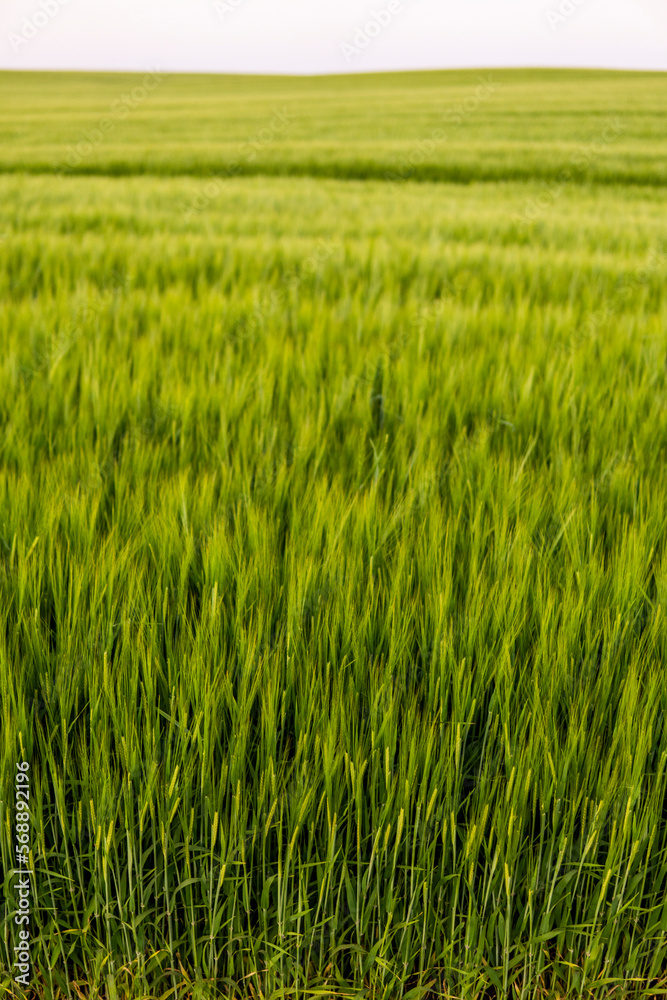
(333, 563)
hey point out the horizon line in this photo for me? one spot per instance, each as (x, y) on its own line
(341, 73)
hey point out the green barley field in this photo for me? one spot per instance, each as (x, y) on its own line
(333, 553)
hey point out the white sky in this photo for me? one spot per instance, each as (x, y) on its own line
(309, 36)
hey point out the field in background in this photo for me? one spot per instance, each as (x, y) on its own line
(332, 547)
(498, 124)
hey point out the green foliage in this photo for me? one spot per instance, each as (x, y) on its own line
(495, 125)
(333, 575)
